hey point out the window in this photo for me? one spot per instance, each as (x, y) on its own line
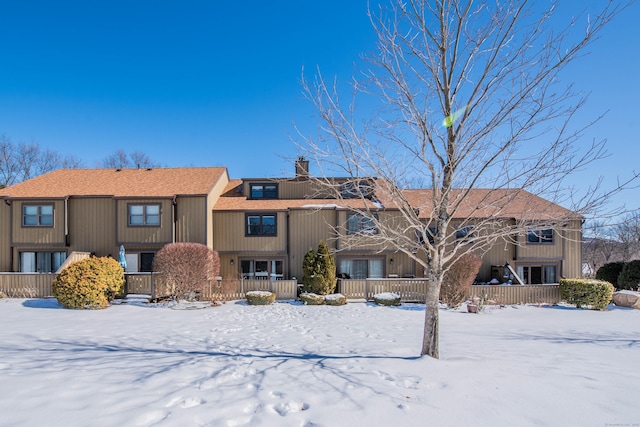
(360, 224)
(146, 261)
(538, 274)
(263, 191)
(356, 189)
(540, 236)
(144, 215)
(464, 233)
(430, 232)
(41, 262)
(261, 225)
(37, 215)
(354, 268)
(262, 269)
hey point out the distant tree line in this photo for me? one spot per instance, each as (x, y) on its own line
(25, 160)
(615, 242)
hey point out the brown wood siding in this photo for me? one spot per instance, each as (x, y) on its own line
(308, 227)
(572, 265)
(191, 219)
(212, 198)
(92, 225)
(541, 251)
(37, 236)
(229, 234)
(144, 235)
(5, 237)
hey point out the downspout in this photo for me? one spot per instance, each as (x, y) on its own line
(67, 238)
(11, 248)
(174, 218)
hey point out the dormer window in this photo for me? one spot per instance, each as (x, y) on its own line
(263, 191)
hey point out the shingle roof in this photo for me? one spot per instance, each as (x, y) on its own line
(498, 203)
(155, 182)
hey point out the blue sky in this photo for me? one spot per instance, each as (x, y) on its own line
(209, 83)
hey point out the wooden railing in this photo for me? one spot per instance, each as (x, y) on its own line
(26, 285)
(518, 294)
(410, 290)
(38, 285)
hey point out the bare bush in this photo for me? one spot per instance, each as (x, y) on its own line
(457, 281)
(185, 269)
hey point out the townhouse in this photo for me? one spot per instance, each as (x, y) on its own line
(261, 227)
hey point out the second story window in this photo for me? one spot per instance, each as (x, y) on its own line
(464, 233)
(540, 236)
(261, 225)
(37, 215)
(360, 224)
(144, 215)
(263, 191)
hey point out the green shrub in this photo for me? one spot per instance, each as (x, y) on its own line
(260, 297)
(629, 277)
(387, 298)
(610, 272)
(311, 299)
(335, 299)
(588, 293)
(89, 283)
(458, 278)
(319, 271)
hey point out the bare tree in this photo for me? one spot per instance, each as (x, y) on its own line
(627, 233)
(19, 162)
(465, 95)
(600, 246)
(121, 159)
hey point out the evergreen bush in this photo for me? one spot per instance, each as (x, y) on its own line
(311, 299)
(609, 272)
(319, 271)
(629, 277)
(587, 293)
(260, 297)
(89, 283)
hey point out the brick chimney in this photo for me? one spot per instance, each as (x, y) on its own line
(302, 167)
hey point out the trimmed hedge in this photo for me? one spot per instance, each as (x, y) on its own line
(311, 299)
(609, 272)
(90, 283)
(260, 297)
(587, 293)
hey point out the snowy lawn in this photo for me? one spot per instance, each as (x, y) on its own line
(292, 365)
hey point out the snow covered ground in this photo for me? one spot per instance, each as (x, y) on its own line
(294, 365)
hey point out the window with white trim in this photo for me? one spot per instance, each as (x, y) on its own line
(42, 261)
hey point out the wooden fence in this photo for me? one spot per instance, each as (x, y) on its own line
(38, 285)
(518, 294)
(26, 285)
(410, 290)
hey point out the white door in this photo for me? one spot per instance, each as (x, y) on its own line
(132, 263)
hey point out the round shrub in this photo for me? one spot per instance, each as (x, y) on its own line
(629, 277)
(587, 293)
(311, 299)
(458, 278)
(387, 298)
(335, 299)
(89, 283)
(609, 272)
(260, 297)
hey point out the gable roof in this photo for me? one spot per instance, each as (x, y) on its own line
(153, 182)
(498, 203)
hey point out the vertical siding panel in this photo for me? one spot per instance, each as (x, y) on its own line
(5, 235)
(191, 220)
(308, 227)
(92, 225)
(38, 235)
(145, 235)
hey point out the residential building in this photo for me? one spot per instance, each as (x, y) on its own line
(261, 227)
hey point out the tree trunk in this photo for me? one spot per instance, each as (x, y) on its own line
(430, 339)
